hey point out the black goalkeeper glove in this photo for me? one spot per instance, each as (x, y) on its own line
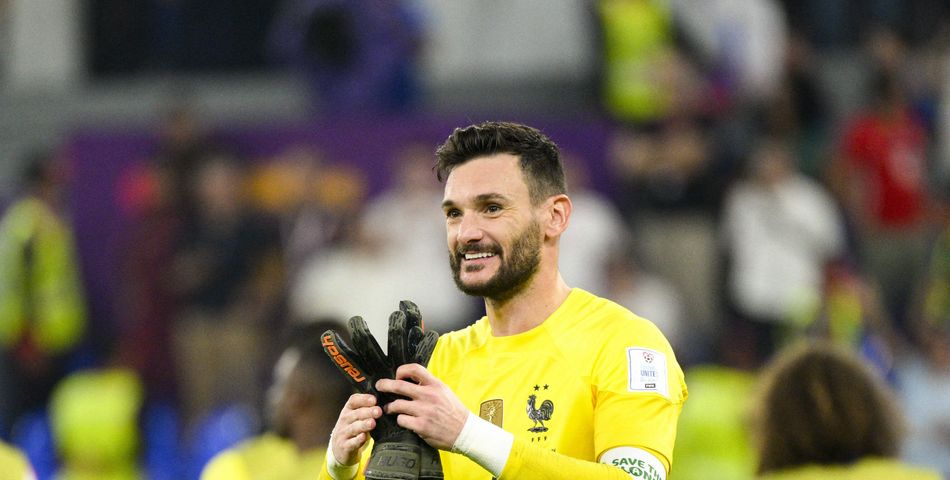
(398, 453)
(409, 342)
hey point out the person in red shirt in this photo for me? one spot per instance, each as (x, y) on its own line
(883, 173)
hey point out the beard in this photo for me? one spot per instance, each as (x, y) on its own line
(515, 271)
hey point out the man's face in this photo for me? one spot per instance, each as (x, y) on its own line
(277, 414)
(493, 234)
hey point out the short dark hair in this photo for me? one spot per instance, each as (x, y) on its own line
(539, 156)
(321, 374)
(820, 404)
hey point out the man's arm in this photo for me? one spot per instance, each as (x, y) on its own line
(434, 412)
(350, 436)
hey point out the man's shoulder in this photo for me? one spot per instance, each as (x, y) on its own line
(465, 338)
(600, 314)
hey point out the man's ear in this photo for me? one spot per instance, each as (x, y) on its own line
(557, 215)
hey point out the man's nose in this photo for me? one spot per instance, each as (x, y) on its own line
(470, 230)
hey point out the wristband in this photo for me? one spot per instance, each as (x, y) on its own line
(485, 443)
(337, 470)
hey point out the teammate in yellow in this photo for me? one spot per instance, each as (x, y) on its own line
(553, 382)
(303, 403)
(14, 465)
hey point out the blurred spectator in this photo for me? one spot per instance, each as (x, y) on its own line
(923, 376)
(779, 229)
(358, 55)
(406, 223)
(292, 188)
(226, 273)
(881, 176)
(42, 303)
(182, 143)
(668, 185)
(824, 414)
(636, 50)
(799, 109)
(923, 379)
(742, 41)
(13, 463)
(649, 296)
(303, 404)
(354, 276)
(145, 299)
(597, 230)
(852, 315)
(94, 417)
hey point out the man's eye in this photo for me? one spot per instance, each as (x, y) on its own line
(453, 213)
(493, 208)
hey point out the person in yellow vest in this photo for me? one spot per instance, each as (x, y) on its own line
(303, 403)
(825, 414)
(14, 465)
(554, 382)
(716, 445)
(638, 54)
(42, 304)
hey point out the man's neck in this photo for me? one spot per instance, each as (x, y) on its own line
(529, 308)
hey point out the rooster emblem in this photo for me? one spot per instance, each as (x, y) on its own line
(539, 414)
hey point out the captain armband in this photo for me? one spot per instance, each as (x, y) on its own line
(485, 443)
(638, 463)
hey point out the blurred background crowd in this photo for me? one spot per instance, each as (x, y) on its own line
(185, 183)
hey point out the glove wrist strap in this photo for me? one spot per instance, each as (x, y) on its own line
(337, 470)
(485, 443)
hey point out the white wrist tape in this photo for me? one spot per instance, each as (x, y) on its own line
(337, 470)
(485, 443)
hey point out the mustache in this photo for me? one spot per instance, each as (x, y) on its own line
(476, 248)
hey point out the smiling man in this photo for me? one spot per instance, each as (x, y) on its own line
(553, 382)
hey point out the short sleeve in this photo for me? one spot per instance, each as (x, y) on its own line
(639, 391)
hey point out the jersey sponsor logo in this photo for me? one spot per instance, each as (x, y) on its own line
(340, 360)
(493, 410)
(646, 371)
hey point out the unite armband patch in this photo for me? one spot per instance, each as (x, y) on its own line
(646, 371)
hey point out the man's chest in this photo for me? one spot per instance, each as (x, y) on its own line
(542, 398)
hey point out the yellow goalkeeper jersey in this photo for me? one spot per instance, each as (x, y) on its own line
(591, 377)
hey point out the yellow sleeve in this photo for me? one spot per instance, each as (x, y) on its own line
(633, 411)
(226, 465)
(532, 461)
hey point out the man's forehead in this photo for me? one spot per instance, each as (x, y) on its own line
(498, 174)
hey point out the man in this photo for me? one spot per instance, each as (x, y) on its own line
(822, 412)
(42, 302)
(302, 402)
(565, 384)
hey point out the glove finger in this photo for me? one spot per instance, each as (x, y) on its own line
(398, 347)
(413, 315)
(347, 361)
(412, 345)
(424, 348)
(371, 354)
